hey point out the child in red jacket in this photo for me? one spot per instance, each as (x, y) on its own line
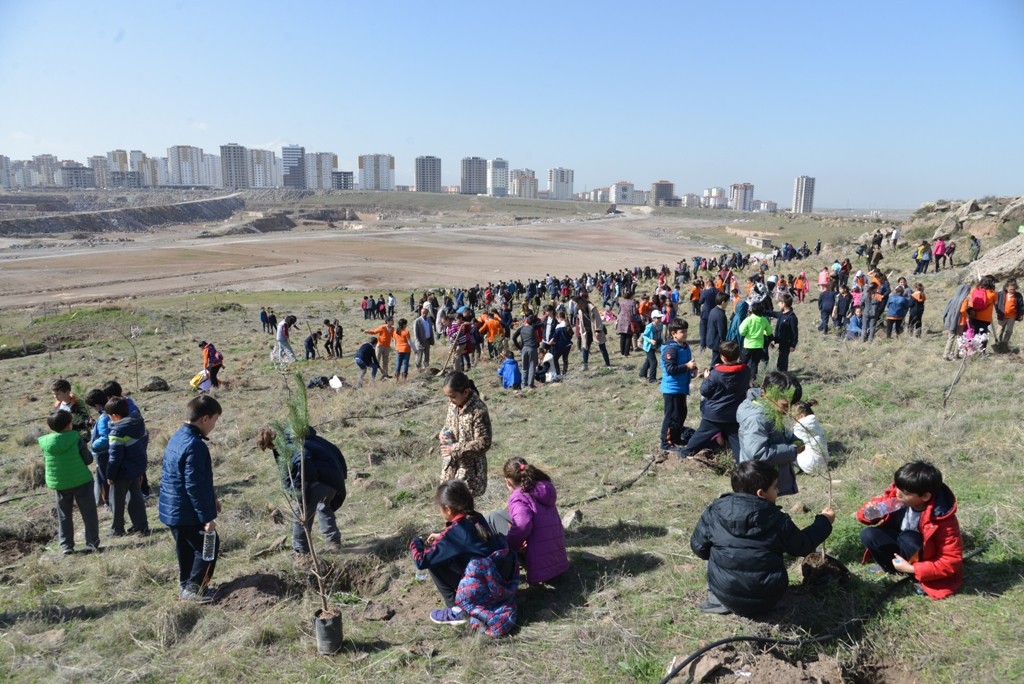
(915, 530)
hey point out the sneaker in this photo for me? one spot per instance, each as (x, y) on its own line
(92, 548)
(115, 533)
(67, 551)
(194, 594)
(142, 533)
(448, 616)
(710, 608)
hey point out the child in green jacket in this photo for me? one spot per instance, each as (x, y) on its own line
(66, 458)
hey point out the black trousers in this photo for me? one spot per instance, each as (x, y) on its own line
(672, 423)
(701, 439)
(886, 541)
(782, 363)
(447, 582)
(188, 545)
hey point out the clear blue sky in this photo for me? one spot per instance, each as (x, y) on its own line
(887, 103)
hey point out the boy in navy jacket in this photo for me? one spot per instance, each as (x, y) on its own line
(723, 390)
(126, 466)
(188, 504)
(677, 367)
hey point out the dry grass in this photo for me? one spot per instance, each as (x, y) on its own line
(629, 604)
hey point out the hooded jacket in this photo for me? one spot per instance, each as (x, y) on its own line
(723, 391)
(761, 441)
(64, 460)
(743, 537)
(127, 442)
(536, 523)
(940, 567)
(510, 374)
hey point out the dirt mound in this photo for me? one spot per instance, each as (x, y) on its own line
(728, 666)
(254, 593)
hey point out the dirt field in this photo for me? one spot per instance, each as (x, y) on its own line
(178, 260)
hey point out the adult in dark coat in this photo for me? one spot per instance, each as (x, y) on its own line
(743, 536)
(707, 303)
(718, 327)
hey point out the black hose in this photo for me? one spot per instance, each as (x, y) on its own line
(837, 632)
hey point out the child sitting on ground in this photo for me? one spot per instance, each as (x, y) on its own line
(447, 554)
(66, 459)
(813, 460)
(723, 390)
(743, 536)
(915, 530)
(508, 371)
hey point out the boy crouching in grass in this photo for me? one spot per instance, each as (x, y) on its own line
(66, 459)
(915, 530)
(188, 504)
(743, 535)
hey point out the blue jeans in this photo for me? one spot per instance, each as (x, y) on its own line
(362, 372)
(402, 363)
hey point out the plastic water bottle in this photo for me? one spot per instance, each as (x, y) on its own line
(209, 545)
(422, 576)
(880, 509)
(447, 438)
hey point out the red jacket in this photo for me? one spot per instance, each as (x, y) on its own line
(940, 567)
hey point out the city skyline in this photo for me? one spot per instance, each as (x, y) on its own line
(892, 109)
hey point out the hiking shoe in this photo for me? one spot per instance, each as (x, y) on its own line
(194, 594)
(115, 533)
(448, 616)
(142, 533)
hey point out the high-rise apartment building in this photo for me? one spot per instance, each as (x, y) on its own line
(5, 172)
(263, 169)
(319, 166)
(377, 172)
(428, 174)
(212, 172)
(117, 160)
(690, 200)
(621, 193)
(234, 166)
(100, 169)
(662, 193)
(497, 177)
(524, 184)
(560, 183)
(46, 166)
(803, 195)
(74, 176)
(714, 198)
(474, 176)
(293, 159)
(185, 165)
(741, 196)
(342, 180)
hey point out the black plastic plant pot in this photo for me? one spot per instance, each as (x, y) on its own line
(328, 632)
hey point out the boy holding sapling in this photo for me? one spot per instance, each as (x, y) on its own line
(915, 530)
(743, 536)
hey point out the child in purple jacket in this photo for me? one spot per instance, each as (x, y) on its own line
(531, 523)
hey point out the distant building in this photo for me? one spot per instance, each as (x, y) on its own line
(377, 172)
(428, 174)
(125, 179)
(714, 198)
(185, 165)
(263, 169)
(293, 163)
(661, 192)
(767, 207)
(342, 180)
(100, 169)
(234, 165)
(741, 196)
(212, 172)
(5, 172)
(497, 177)
(803, 195)
(641, 196)
(451, 189)
(599, 195)
(117, 160)
(403, 188)
(690, 200)
(46, 166)
(474, 176)
(75, 177)
(524, 184)
(621, 193)
(319, 166)
(560, 182)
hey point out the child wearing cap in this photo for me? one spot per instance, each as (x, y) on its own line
(650, 340)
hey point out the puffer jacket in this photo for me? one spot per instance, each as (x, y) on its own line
(127, 441)
(536, 523)
(743, 537)
(723, 391)
(324, 463)
(63, 460)
(186, 484)
(761, 441)
(940, 566)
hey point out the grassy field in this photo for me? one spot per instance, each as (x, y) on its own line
(629, 604)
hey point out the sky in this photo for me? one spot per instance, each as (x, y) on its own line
(887, 104)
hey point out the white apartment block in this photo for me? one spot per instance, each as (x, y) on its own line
(117, 160)
(803, 195)
(377, 172)
(497, 177)
(560, 183)
(690, 200)
(212, 173)
(714, 198)
(524, 184)
(319, 166)
(263, 169)
(185, 165)
(741, 196)
(767, 207)
(621, 193)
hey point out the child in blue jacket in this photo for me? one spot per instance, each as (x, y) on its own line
(677, 368)
(126, 466)
(511, 377)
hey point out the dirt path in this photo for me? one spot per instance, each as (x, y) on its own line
(176, 260)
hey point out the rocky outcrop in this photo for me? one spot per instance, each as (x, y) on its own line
(1002, 262)
(126, 220)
